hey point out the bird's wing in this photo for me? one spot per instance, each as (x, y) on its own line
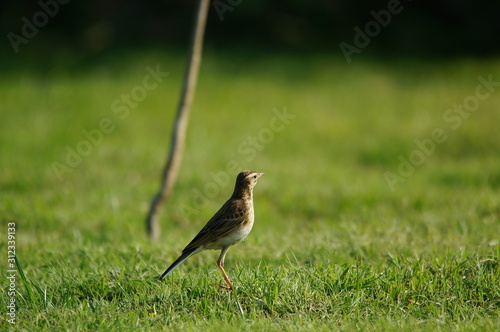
(230, 215)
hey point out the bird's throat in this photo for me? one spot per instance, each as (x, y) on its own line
(245, 193)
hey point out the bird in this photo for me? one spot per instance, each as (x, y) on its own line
(230, 225)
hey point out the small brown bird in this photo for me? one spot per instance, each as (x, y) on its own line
(228, 226)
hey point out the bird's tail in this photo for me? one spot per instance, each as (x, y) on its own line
(178, 261)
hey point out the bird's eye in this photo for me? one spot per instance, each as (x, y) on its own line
(255, 176)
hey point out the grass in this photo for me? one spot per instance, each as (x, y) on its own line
(335, 246)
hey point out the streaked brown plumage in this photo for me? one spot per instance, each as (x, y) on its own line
(229, 225)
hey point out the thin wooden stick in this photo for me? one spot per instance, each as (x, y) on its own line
(172, 166)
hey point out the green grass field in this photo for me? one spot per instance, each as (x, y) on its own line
(379, 209)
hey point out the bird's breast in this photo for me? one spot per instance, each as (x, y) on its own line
(240, 233)
(246, 225)
(237, 234)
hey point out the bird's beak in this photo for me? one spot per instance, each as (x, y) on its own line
(260, 174)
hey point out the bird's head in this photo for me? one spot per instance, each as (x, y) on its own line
(246, 180)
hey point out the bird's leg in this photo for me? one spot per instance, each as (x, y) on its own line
(220, 264)
(226, 278)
